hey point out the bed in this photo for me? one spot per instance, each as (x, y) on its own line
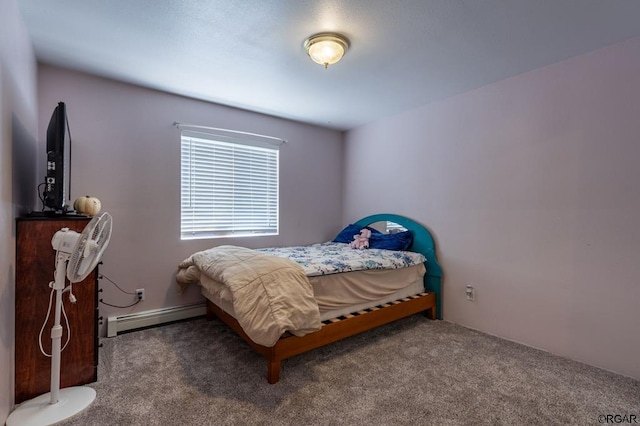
(328, 305)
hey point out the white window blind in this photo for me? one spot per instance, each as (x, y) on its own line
(229, 187)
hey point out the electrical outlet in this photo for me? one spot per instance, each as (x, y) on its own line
(470, 292)
(140, 294)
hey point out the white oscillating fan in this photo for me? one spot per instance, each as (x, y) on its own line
(77, 254)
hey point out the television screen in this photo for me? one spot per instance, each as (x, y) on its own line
(57, 181)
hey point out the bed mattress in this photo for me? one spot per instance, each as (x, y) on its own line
(333, 258)
(341, 294)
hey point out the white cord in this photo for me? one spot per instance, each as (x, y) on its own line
(66, 320)
(44, 324)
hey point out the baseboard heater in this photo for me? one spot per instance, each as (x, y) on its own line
(118, 324)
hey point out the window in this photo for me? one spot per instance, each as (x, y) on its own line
(229, 187)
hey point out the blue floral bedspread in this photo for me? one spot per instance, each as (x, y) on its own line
(332, 258)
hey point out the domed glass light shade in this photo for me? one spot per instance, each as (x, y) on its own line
(326, 48)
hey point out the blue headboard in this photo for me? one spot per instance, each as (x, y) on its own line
(422, 243)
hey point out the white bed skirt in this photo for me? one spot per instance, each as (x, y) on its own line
(342, 294)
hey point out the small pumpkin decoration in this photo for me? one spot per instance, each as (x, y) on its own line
(87, 205)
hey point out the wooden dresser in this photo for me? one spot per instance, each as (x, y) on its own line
(35, 266)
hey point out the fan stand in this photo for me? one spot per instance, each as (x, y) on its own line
(57, 405)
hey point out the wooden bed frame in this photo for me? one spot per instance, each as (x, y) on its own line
(339, 328)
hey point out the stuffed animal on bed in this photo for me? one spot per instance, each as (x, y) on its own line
(361, 241)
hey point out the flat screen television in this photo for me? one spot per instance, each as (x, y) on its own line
(57, 183)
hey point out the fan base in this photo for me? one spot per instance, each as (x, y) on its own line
(40, 412)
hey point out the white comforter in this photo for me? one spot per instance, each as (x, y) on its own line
(271, 295)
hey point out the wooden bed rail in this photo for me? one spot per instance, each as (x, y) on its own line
(332, 330)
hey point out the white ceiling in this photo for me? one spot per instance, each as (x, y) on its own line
(249, 54)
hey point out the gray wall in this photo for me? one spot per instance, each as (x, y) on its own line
(18, 126)
(532, 188)
(126, 152)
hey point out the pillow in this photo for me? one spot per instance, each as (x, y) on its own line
(397, 241)
(346, 235)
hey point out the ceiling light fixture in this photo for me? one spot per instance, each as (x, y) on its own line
(326, 48)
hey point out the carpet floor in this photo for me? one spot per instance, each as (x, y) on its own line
(411, 372)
